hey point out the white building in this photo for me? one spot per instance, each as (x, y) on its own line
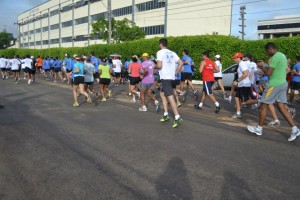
(281, 26)
(66, 23)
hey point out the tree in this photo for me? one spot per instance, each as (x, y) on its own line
(122, 30)
(5, 39)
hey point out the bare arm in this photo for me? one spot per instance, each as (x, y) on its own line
(202, 66)
(180, 67)
(216, 68)
(158, 65)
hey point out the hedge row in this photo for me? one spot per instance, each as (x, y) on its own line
(223, 45)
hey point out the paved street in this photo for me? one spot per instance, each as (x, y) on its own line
(50, 150)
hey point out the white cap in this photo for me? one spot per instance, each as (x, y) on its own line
(217, 56)
(75, 55)
(66, 55)
(32, 57)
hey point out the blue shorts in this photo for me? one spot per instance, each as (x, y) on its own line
(207, 87)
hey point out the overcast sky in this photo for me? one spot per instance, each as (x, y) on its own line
(259, 10)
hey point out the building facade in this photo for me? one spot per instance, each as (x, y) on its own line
(66, 23)
(281, 26)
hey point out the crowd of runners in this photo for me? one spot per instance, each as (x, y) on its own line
(165, 79)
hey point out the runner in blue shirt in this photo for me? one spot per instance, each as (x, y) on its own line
(46, 66)
(78, 81)
(96, 62)
(68, 64)
(296, 79)
(57, 64)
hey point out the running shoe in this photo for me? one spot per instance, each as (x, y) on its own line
(177, 122)
(103, 99)
(184, 94)
(75, 104)
(133, 101)
(143, 109)
(293, 112)
(218, 109)
(197, 107)
(274, 123)
(253, 107)
(255, 130)
(236, 116)
(139, 95)
(165, 118)
(157, 106)
(3, 77)
(178, 104)
(228, 99)
(294, 135)
(29, 82)
(89, 100)
(109, 94)
(196, 95)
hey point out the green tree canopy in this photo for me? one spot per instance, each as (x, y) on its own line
(5, 39)
(122, 30)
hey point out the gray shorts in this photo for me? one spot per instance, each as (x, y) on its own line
(274, 94)
(148, 86)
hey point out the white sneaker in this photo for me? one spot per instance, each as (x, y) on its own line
(294, 135)
(29, 82)
(274, 123)
(139, 95)
(143, 109)
(255, 130)
(133, 101)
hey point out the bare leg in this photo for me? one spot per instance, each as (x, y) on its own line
(262, 114)
(75, 87)
(286, 114)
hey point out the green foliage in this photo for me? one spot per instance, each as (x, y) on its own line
(226, 46)
(5, 39)
(122, 30)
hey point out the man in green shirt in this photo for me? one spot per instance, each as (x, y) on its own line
(275, 91)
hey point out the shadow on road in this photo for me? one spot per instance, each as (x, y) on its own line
(236, 188)
(174, 183)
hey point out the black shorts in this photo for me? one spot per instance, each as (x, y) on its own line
(207, 87)
(78, 80)
(175, 83)
(47, 70)
(243, 93)
(68, 70)
(218, 78)
(117, 74)
(135, 80)
(15, 70)
(295, 86)
(89, 83)
(96, 75)
(33, 71)
(123, 74)
(104, 81)
(186, 76)
(167, 87)
(27, 70)
(57, 70)
(3, 69)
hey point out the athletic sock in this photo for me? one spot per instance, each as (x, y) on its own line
(230, 98)
(166, 113)
(201, 104)
(238, 112)
(217, 104)
(276, 120)
(294, 129)
(177, 117)
(259, 127)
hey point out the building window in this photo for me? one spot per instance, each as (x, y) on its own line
(37, 30)
(81, 38)
(25, 33)
(97, 16)
(46, 28)
(66, 39)
(67, 8)
(66, 24)
(45, 42)
(37, 43)
(31, 32)
(54, 26)
(94, 1)
(54, 12)
(81, 3)
(81, 20)
(279, 26)
(31, 44)
(154, 30)
(54, 41)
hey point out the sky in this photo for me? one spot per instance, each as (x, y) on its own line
(256, 11)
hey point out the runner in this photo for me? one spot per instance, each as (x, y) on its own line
(177, 90)
(3, 62)
(46, 66)
(28, 63)
(295, 85)
(207, 69)
(275, 91)
(78, 81)
(33, 69)
(89, 70)
(39, 65)
(105, 78)
(187, 74)
(147, 82)
(96, 62)
(15, 68)
(57, 64)
(166, 63)
(218, 76)
(68, 65)
(117, 65)
(243, 84)
(134, 69)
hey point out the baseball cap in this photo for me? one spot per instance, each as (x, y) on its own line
(32, 57)
(237, 55)
(75, 55)
(145, 55)
(217, 56)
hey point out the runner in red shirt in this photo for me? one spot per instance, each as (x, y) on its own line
(207, 69)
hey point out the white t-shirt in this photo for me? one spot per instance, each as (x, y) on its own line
(219, 64)
(117, 64)
(2, 63)
(23, 64)
(15, 64)
(90, 69)
(243, 67)
(168, 59)
(28, 62)
(8, 63)
(252, 68)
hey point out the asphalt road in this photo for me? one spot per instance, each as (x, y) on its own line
(50, 150)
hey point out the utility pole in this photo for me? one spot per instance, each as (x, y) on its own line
(166, 18)
(242, 12)
(133, 12)
(109, 20)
